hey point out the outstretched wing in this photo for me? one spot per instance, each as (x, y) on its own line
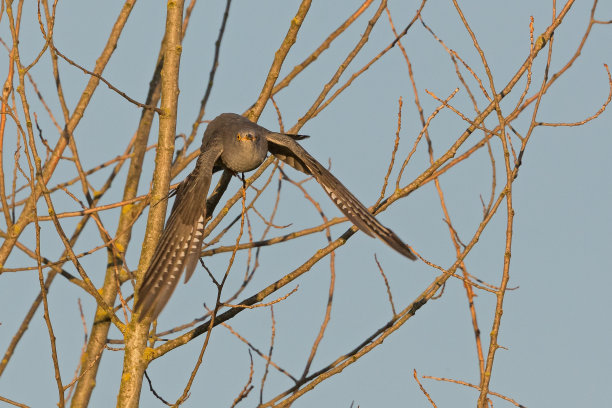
(288, 150)
(180, 245)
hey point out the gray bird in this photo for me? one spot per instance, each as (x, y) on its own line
(235, 143)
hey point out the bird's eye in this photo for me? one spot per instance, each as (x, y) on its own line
(237, 136)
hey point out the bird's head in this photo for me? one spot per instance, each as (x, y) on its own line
(245, 148)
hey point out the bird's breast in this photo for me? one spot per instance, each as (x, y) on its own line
(244, 155)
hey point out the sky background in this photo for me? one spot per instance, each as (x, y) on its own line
(556, 330)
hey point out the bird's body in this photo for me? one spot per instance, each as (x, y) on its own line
(235, 143)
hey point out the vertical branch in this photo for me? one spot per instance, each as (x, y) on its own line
(6, 91)
(485, 377)
(135, 362)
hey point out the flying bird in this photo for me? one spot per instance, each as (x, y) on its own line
(235, 143)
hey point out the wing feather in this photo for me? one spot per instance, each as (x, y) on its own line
(289, 151)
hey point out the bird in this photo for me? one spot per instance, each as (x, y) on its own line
(235, 143)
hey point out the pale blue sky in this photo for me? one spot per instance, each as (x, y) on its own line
(556, 324)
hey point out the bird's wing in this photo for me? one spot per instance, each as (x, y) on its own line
(289, 151)
(180, 245)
